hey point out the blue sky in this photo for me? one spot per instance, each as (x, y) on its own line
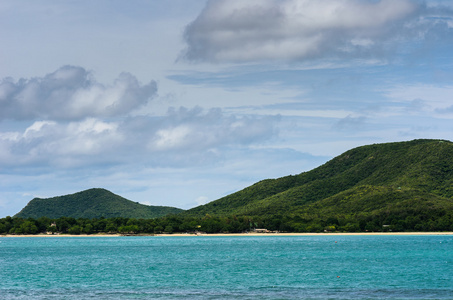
(179, 102)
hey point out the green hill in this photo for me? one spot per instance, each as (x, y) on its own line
(92, 203)
(402, 186)
(382, 181)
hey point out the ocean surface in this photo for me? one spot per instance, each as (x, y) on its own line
(240, 267)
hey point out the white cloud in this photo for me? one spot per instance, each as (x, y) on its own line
(36, 129)
(171, 138)
(242, 31)
(195, 130)
(71, 93)
(186, 136)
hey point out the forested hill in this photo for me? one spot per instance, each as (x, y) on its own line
(400, 179)
(404, 186)
(92, 203)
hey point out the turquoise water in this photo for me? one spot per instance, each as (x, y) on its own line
(302, 267)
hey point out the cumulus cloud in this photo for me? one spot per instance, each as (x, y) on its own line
(182, 137)
(242, 31)
(71, 93)
(195, 129)
(50, 144)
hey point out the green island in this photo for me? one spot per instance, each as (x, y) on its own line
(398, 187)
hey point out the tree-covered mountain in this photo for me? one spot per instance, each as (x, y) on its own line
(92, 203)
(404, 186)
(380, 181)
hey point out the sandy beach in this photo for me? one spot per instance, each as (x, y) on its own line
(233, 234)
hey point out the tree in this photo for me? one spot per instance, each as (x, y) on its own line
(28, 227)
(62, 224)
(111, 227)
(158, 229)
(88, 229)
(51, 228)
(168, 229)
(75, 229)
(352, 227)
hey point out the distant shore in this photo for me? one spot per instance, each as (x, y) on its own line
(232, 234)
(309, 234)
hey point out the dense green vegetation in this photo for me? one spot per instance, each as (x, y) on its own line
(382, 174)
(406, 186)
(92, 203)
(398, 220)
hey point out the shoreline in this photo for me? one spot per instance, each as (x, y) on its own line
(231, 234)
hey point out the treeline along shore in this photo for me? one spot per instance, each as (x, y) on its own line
(231, 224)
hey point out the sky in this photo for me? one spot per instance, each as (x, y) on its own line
(179, 103)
